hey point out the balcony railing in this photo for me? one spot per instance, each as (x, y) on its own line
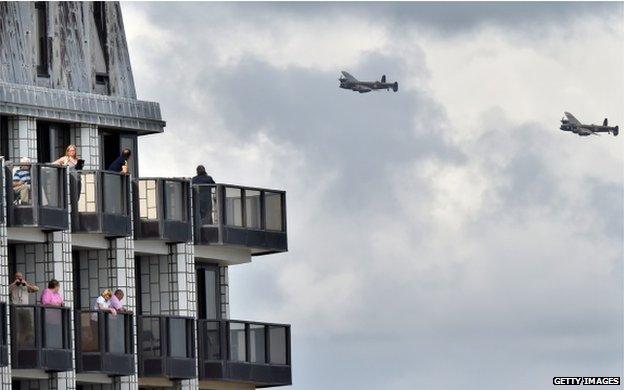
(162, 209)
(4, 350)
(40, 337)
(244, 351)
(240, 216)
(104, 343)
(166, 347)
(39, 199)
(101, 203)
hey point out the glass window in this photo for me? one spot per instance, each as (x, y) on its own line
(273, 207)
(53, 328)
(233, 207)
(49, 187)
(150, 337)
(89, 338)
(237, 342)
(24, 326)
(41, 38)
(252, 209)
(212, 341)
(211, 283)
(114, 194)
(148, 206)
(277, 347)
(116, 333)
(174, 198)
(257, 343)
(87, 199)
(177, 337)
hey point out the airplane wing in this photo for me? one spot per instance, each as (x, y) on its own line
(349, 77)
(572, 119)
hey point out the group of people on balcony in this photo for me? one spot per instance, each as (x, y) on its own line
(22, 176)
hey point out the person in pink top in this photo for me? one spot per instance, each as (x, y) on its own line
(51, 295)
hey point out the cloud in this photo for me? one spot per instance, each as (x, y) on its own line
(446, 236)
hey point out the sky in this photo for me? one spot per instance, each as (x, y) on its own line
(447, 236)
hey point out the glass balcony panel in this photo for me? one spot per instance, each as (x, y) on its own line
(207, 200)
(114, 194)
(150, 337)
(89, 338)
(273, 211)
(174, 202)
(53, 328)
(148, 202)
(178, 340)
(87, 200)
(116, 333)
(22, 179)
(212, 341)
(49, 187)
(253, 209)
(257, 346)
(233, 207)
(277, 344)
(24, 326)
(237, 342)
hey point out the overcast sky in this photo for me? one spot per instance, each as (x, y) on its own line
(447, 236)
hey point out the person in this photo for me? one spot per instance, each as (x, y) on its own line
(202, 177)
(102, 303)
(21, 182)
(115, 301)
(51, 295)
(121, 163)
(20, 288)
(70, 159)
(205, 194)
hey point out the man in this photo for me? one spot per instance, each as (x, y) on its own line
(121, 163)
(204, 194)
(21, 182)
(20, 289)
(115, 301)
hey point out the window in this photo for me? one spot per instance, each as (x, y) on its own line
(41, 38)
(252, 209)
(238, 352)
(233, 207)
(99, 38)
(277, 345)
(208, 292)
(273, 207)
(174, 201)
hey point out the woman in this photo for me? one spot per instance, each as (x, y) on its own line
(70, 159)
(51, 296)
(102, 303)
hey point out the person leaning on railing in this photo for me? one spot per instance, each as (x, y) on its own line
(102, 303)
(21, 182)
(121, 163)
(51, 296)
(115, 302)
(70, 159)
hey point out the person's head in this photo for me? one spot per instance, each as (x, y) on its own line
(119, 294)
(107, 294)
(126, 153)
(70, 151)
(201, 170)
(19, 276)
(54, 285)
(24, 164)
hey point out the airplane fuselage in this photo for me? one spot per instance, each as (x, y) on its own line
(585, 130)
(350, 82)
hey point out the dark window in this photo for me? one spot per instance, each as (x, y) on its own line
(41, 38)
(101, 52)
(52, 139)
(208, 292)
(4, 137)
(44, 154)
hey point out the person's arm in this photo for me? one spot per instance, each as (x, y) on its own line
(60, 161)
(31, 287)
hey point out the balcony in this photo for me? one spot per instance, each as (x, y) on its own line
(100, 203)
(166, 347)
(104, 343)
(39, 202)
(252, 352)
(253, 218)
(163, 209)
(4, 349)
(40, 337)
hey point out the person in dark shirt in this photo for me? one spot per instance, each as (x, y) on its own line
(205, 194)
(121, 163)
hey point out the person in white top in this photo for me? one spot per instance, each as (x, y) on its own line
(20, 289)
(102, 302)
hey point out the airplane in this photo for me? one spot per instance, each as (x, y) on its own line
(350, 82)
(570, 123)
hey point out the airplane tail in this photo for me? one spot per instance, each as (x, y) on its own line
(395, 86)
(606, 122)
(383, 78)
(616, 131)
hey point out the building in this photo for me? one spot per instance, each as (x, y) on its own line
(65, 78)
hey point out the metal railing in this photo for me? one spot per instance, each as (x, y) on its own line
(104, 342)
(40, 337)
